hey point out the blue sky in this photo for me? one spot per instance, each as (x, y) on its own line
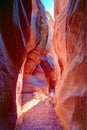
(49, 6)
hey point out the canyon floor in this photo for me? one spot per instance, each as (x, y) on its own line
(41, 116)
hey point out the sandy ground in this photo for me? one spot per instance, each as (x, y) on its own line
(39, 114)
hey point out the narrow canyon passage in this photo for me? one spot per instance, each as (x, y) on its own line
(37, 107)
(58, 67)
(43, 65)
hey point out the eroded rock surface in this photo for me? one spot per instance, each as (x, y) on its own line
(70, 45)
(13, 28)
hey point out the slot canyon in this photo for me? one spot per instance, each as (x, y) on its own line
(43, 65)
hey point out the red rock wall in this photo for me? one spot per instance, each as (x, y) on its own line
(70, 46)
(61, 8)
(39, 32)
(14, 23)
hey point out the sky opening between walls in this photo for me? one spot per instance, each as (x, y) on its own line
(49, 6)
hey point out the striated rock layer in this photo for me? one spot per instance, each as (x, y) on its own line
(14, 22)
(70, 46)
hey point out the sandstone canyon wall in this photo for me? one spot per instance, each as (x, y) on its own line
(70, 46)
(25, 37)
(14, 23)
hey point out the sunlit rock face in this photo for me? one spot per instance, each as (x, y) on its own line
(61, 8)
(70, 45)
(14, 23)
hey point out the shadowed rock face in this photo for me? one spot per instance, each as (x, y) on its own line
(70, 45)
(14, 23)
